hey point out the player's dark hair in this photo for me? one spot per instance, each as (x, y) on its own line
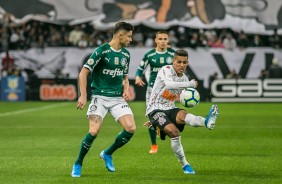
(181, 52)
(122, 26)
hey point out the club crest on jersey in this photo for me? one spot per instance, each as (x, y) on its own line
(168, 60)
(123, 62)
(116, 60)
(90, 61)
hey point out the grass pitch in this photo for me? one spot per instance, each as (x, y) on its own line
(39, 142)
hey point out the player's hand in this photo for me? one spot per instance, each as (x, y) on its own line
(81, 102)
(194, 83)
(126, 95)
(139, 82)
(148, 124)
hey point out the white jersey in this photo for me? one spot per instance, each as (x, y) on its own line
(163, 96)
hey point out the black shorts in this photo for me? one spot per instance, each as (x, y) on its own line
(161, 118)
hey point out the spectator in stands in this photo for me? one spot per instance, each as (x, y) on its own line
(8, 62)
(75, 35)
(172, 38)
(257, 41)
(209, 33)
(182, 37)
(263, 74)
(137, 38)
(195, 41)
(203, 38)
(233, 75)
(275, 70)
(242, 41)
(5, 32)
(64, 34)
(149, 42)
(215, 42)
(213, 77)
(276, 41)
(83, 42)
(229, 42)
(54, 37)
(14, 39)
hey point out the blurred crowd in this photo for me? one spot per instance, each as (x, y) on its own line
(36, 34)
(41, 35)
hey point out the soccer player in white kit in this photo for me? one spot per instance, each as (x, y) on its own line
(163, 113)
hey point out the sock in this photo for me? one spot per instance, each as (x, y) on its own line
(153, 135)
(194, 121)
(122, 138)
(178, 150)
(84, 148)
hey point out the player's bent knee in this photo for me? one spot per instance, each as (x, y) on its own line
(131, 129)
(172, 133)
(93, 132)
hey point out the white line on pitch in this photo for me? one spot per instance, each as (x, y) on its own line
(32, 109)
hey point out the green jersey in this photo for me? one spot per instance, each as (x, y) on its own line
(156, 60)
(108, 67)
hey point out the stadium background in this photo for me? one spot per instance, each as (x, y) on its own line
(235, 40)
(44, 44)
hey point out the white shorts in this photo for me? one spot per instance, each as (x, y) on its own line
(100, 105)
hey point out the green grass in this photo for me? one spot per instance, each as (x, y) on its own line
(39, 142)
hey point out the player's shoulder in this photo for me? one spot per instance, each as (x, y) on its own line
(167, 67)
(125, 52)
(150, 53)
(102, 48)
(170, 51)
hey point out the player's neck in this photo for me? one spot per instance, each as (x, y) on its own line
(115, 45)
(161, 49)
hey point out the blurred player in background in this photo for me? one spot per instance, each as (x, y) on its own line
(108, 66)
(154, 60)
(163, 113)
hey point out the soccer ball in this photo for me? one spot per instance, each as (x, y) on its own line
(189, 97)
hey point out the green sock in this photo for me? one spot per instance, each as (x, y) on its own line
(122, 138)
(153, 135)
(84, 148)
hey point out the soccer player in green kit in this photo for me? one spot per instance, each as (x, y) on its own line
(155, 59)
(108, 66)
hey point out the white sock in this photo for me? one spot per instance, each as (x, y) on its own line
(178, 150)
(195, 121)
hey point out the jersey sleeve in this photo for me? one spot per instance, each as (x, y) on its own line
(94, 59)
(142, 65)
(166, 76)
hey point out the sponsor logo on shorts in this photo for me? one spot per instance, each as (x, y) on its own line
(158, 114)
(125, 106)
(161, 120)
